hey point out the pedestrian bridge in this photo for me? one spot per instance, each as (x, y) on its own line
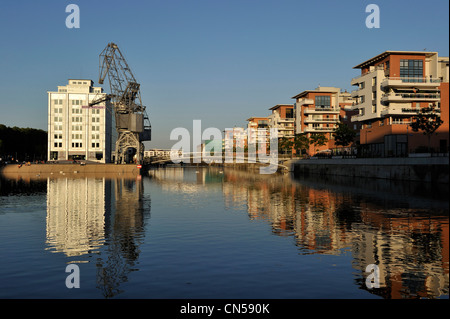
(197, 158)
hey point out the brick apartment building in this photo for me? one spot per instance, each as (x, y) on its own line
(318, 112)
(392, 87)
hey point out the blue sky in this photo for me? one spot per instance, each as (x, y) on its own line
(221, 61)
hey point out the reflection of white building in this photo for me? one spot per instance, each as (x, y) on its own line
(75, 214)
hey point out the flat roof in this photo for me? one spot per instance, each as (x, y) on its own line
(312, 91)
(280, 105)
(383, 55)
(257, 118)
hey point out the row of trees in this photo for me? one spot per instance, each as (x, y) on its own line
(22, 144)
(343, 136)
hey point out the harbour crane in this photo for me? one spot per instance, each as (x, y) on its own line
(131, 120)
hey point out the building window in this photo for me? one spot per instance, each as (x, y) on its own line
(322, 101)
(77, 102)
(411, 70)
(289, 113)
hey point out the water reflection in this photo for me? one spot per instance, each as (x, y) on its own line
(125, 228)
(189, 180)
(401, 227)
(76, 215)
(101, 217)
(402, 230)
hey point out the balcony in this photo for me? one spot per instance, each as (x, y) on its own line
(286, 120)
(358, 79)
(319, 129)
(419, 82)
(402, 111)
(355, 93)
(410, 97)
(285, 128)
(321, 120)
(321, 110)
(306, 101)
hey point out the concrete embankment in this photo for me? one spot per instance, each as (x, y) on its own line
(54, 169)
(430, 169)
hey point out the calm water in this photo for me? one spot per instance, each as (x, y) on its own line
(208, 233)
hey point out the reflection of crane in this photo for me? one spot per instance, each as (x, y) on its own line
(132, 123)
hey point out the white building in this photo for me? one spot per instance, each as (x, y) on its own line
(75, 130)
(394, 83)
(282, 118)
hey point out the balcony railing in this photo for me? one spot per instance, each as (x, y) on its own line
(416, 110)
(334, 120)
(286, 119)
(315, 129)
(328, 109)
(414, 96)
(414, 79)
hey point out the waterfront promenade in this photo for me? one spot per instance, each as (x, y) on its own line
(421, 169)
(69, 169)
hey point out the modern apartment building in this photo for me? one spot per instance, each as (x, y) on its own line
(255, 136)
(75, 130)
(392, 87)
(319, 111)
(282, 118)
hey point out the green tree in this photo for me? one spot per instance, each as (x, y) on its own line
(428, 121)
(343, 135)
(301, 143)
(23, 143)
(285, 145)
(318, 139)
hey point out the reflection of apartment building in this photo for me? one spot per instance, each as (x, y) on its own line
(410, 249)
(76, 131)
(318, 112)
(392, 87)
(282, 118)
(76, 214)
(412, 253)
